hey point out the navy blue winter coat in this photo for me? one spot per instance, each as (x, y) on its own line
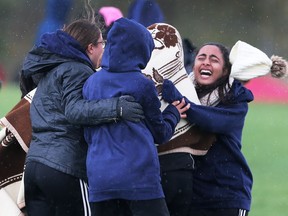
(222, 178)
(58, 108)
(122, 160)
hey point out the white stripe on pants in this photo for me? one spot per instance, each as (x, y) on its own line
(84, 191)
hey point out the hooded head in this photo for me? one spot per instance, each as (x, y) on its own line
(129, 47)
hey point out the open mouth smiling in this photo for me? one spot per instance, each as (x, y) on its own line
(205, 73)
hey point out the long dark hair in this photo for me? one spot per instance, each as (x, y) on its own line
(222, 82)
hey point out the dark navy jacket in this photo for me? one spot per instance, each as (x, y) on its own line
(58, 108)
(222, 178)
(122, 160)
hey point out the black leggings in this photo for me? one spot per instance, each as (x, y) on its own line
(49, 192)
(120, 207)
(177, 182)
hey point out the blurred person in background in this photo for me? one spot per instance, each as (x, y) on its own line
(56, 15)
(189, 54)
(105, 16)
(146, 12)
(2, 76)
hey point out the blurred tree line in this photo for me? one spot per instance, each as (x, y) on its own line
(261, 23)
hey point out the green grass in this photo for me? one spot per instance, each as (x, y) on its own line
(9, 95)
(265, 145)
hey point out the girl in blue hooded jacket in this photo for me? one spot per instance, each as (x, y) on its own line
(122, 162)
(220, 182)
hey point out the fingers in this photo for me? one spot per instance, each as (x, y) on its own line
(182, 107)
(127, 98)
(183, 115)
(185, 106)
(136, 106)
(175, 103)
(138, 112)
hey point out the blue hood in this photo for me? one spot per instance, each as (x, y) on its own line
(129, 47)
(63, 44)
(55, 48)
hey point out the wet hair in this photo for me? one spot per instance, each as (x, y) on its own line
(84, 31)
(223, 81)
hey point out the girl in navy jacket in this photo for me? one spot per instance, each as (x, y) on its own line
(122, 160)
(222, 180)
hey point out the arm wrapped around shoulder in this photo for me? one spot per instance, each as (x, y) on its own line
(128, 109)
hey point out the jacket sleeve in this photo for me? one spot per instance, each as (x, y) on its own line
(161, 125)
(81, 111)
(222, 119)
(169, 92)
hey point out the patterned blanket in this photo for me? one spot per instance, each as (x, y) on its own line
(15, 137)
(167, 62)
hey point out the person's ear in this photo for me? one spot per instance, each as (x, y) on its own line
(90, 48)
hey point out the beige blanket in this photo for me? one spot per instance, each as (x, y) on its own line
(15, 138)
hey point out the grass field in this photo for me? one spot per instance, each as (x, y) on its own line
(265, 140)
(265, 144)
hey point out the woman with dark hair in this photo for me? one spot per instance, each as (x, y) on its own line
(197, 162)
(221, 180)
(56, 14)
(55, 174)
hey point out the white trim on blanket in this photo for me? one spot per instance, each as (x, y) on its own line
(5, 122)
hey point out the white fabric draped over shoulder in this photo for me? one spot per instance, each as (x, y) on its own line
(167, 62)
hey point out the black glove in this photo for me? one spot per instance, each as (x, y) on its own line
(128, 109)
